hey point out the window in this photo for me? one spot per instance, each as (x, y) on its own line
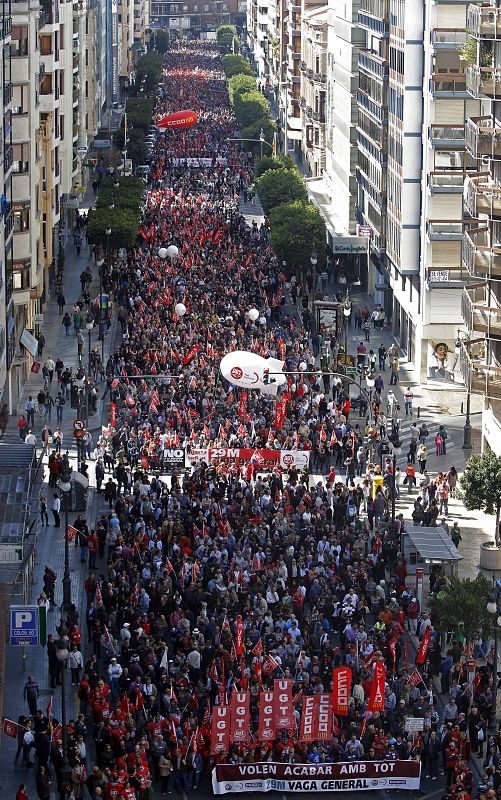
(45, 45)
(21, 217)
(21, 157)
(19, 40)
(20, 99)
(21, 275)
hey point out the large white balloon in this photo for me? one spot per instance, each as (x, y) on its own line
(246, 370)
(180, 309)
(253, 314)
(172, 251)
(162, 253)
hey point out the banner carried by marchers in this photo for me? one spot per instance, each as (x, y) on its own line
(423, 647)
(341, 689)
(220, 730)
(240, 717)
(376, 699)
(266, 729)
(341, 777)
(283, 710)
(264, 458)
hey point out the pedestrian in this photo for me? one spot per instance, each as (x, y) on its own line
(439, 443)
(41, 344)
(423, 433)
(410, 476)
(48, 406)
(408, 398)
(443, 433)
(67, 323)
(422, 455)
(455, 534)
(110, 492)
(58, 439)
(382, 356)
(31, 694)
(165, 770)
(61, 302)
(56, 510)
(99, 472)
(59, 403)
(44, 517)
(30, 411)
(22, 793)
(443, 496)
(367, 330)
(394, 368)
(75, 663)
(50, 365)
(43, 784)
(22, 427)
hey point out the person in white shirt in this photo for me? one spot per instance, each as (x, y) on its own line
(31, 439)
(56, 510)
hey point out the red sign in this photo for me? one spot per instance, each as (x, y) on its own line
(283, 711)
(392, 646)
(240, 716)
(423, 647)
(72, 532)
(113, 410)
(279, 416)
(10, 728)
(308, 727)
(220, 730)
(242, 405)
(239, 636)
(266, 729)
(324, 717)
(264, 458)
(180, 119)
(376, 699)
(341, 688)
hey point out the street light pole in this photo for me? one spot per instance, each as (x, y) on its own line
(89, 324)
(460, 346)
(62, 656)
(65, 487)
(100, 263)
(494, 608)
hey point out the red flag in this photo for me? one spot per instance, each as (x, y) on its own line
(206, 719)
(341, 688)
(376, 699)
(226, 625)
(173, 697)
(392, 646)
(213, 672)
(269, 664)
(257, 669)
(223, 700)
(323, 435)
(168, 566)
(220, 730)
(414, 678)
(49, 707)
(72, 532)
(423, 647)
(257, 650)
(266, 729)
(333, 437)
(239, 635)
(10, 728)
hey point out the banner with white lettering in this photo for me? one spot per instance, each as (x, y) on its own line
(283, 710)
(341, 688)
(324, 717)
(220, 730)
(266, 729)
(342, 777)
(240, 716)
(308, 727)
(262, 458)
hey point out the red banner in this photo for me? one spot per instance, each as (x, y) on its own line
(113, 420)
(376, 699)
(324, 717)
(415, 678)
(341, 688)
(190, 355)
(242, 404)
(309, 716)
(10, 728)
(423, 647)
(239, 636)
(240, 716)
(266, 730)
(264, 458)
(220, 730)
(392, 647)
(283, 710)
(279, 416)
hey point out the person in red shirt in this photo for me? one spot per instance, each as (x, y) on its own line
(93, 545)
(21, 793)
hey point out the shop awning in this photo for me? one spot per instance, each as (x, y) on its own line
(321, 196)
(434, 545)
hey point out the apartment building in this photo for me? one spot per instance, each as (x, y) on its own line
(7, 319)
(192, 17)
(481, 347)
(313, 67)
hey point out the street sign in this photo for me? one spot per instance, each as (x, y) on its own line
(23, 625)
(78, 425)
(351, 370)
(37, 319)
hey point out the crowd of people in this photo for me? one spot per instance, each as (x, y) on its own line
(314, 573)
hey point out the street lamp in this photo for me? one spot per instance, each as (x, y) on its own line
(346, 312)
(467, 432)
(100, 264)
(89, 324)
(493, 608)
(62, 653)
(65, 487)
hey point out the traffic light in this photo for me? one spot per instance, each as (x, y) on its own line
(266, 377)
(80, 434)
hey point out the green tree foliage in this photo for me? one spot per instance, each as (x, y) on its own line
(249, 107)
(253, 131)
(278, 186)
(463, 607)
(124, 223)
(480, 485)
(273, 162)
(161, 41)
(227, 38)
(149, 70)
(127, 194)
(139, 113)
(296, 230)
(240, 84)
(236, 65)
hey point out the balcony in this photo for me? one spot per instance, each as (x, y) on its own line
(448, 84)
(444, 230)
(5, 27)
(483, 196)
(446, 276)
(447, 136)
(447, 38)
(484, 21)
(8, 225)
(7, 94)
(486, 380)
(7, 160)
(373, 64)
(379, 9)
(483, 137)
(481, 310)
(483, 81)
(319, 77)
(446, 182)
(480, 257)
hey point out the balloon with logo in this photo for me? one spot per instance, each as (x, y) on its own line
(178, 119)
(246, 370)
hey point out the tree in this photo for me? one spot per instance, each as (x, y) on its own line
(253, 131)
(250, 106)
(161, 41)
(296, 230)
(148, 72)
(480, 486)
(124, 224)
(227, 38)
(273, 162)
(236, 65)
(463, 607)
(240, 84)
(278, 186)
(128, 193)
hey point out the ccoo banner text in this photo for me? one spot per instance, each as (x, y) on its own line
(343, 777)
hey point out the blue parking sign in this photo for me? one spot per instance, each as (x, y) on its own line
(23, 625)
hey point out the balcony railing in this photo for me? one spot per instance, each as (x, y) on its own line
(448, 84)
(446, 181)
(373, 64)
(8, 224)
(484, 21)
(480, 257)
(447, 135)
(5, 27)
(7, 160)
(483, 137)
(481, 310)
(7, 94)
(444, 229)
(483, 196)
(483, 81)
(447, 38)
(486, 380)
